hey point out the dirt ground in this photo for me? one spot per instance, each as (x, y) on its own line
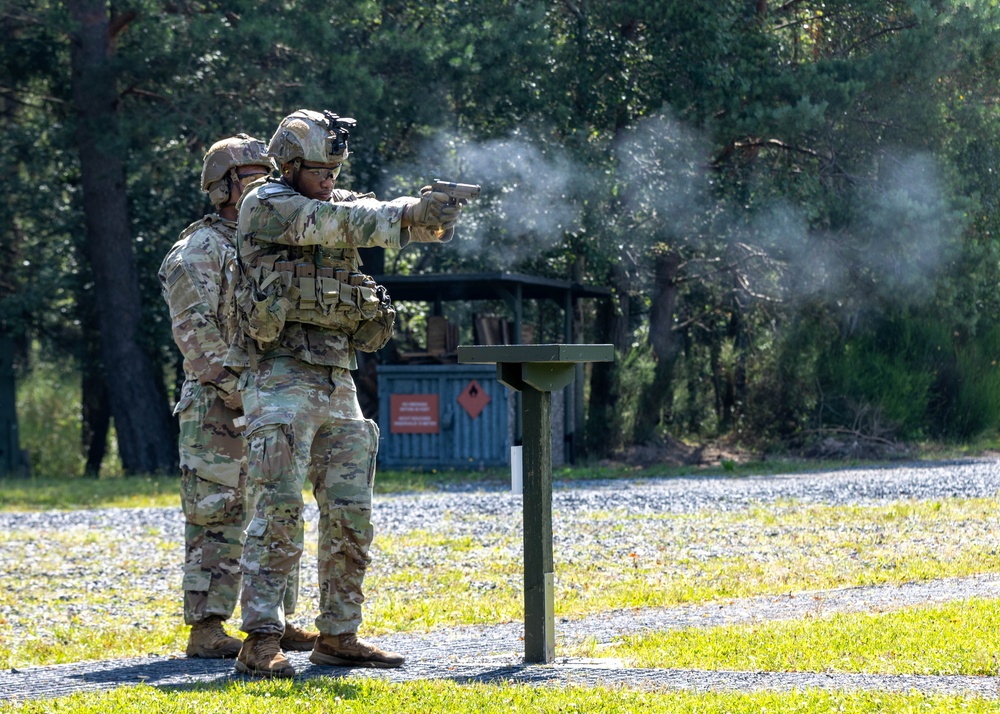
(828, 446)
(675, 453)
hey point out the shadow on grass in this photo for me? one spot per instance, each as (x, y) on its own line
(211, 675)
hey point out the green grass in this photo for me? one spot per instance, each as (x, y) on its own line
(687, 558)
(53, 610)
(42, 494)
(958, 638)
(672, 559)
(347, 696)
(39, 494)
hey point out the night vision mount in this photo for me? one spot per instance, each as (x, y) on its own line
(340, 128)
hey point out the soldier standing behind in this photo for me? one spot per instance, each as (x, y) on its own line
(303, 309)
(195, 277)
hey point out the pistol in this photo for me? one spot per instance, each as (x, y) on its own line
(459, 193)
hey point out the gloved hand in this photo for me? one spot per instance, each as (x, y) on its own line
(433, 211)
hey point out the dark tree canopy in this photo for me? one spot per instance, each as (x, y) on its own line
(795, 203)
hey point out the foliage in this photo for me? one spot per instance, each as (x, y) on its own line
(48, 405)
(744, 176)
(970, 391)
(880, 382)
(48, 420)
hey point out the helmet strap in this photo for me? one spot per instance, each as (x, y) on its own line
(232, 180)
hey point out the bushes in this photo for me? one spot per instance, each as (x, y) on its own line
(49, 424)
(880, 382)
(901, 377)
(969, 389)
(48, 408)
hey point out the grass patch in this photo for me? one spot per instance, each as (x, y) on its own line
(96, 605)
(674, 559)
(55, 608)
(43, 494)
(958, 638)
(422, 579)
(101, 603)
(346, 696)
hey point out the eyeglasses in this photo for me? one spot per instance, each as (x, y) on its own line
(321, 173)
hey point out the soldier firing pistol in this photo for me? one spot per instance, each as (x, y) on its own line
(459, 193)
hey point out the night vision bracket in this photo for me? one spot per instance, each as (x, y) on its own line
(340, 128)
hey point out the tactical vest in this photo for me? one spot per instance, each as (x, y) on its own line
(227, 231)
(316, 286)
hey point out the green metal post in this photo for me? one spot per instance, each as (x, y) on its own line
(536, 371)
(539, 597)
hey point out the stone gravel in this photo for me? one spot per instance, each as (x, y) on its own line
(494, 653)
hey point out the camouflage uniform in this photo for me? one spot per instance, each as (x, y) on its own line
(300, 309)
(303, 416)
(195, 278)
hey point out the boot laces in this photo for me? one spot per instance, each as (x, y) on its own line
(269, 646)
(214, 627)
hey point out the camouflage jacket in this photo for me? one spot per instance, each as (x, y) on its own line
(278, 223)
(195, 277)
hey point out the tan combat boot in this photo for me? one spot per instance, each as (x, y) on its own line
(208, 639)
(261, 656)
(348, 651)
(296, 639)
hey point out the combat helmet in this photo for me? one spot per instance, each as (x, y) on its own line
(307, 135)
(224, 157)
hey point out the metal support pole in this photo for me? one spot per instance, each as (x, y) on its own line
(536, 371)
(539, 598)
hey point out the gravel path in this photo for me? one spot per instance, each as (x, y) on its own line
(494, 653)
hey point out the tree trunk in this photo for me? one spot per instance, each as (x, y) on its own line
(135, 390)
(96, 418)
(733, 381)
(95, 411)
(659, 396)
(602, 427)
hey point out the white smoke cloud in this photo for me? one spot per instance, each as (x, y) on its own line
(662, 166)
(898, 234)
(532, 194)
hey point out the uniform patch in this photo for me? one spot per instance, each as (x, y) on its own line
(270, 189)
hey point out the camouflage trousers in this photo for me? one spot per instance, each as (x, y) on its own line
(304, 422)
(214, 501)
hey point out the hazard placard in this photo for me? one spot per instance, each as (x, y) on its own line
(473, 399)
(414, 414)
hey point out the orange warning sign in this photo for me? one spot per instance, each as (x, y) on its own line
(414, 414)
(473, 399)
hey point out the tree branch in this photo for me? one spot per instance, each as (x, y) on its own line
(778, 144)
(883, 31)
(144, 93)
(573, 9)
(13, 95)
(119, 23)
